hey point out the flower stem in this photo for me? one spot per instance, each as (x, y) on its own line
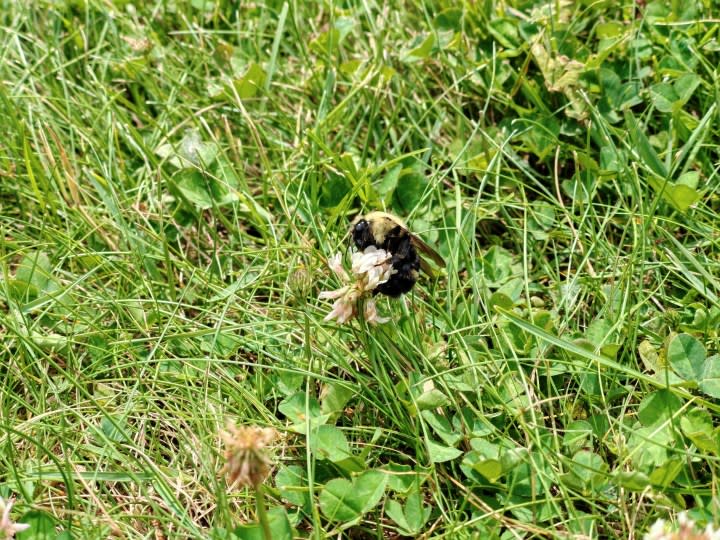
(262, 512)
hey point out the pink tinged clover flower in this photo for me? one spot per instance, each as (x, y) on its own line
(686, 530)
(370, 269)
(8, 528)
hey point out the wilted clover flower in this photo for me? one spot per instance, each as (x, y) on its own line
(370, 268)
(8, 528)
(686, 530)
(247, 463)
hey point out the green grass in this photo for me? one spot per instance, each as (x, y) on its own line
(174, 176)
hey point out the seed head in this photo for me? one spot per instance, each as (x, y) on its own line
(247, 463)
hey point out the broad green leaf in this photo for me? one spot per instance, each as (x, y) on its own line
(512, 391)
(334, 397)
(449, 19)
(400, 477)
(34, 269)
(496, 265)
(222, 344)
(681, 196)
(224, 182)
(193, 151)
(33, 275)
(329, 442)
(641, 48)
(370, 487)
(611, 85)
(514, 288)
(697, 425)
(491, 469)
(611, 159)
(710, 382)
(345, 500)
(112, 428)
(608, 30)
(664, 97)
(248, 84)
(328, 41)
(577, 434)
(203, 5)
(685, 86)
(690, 179)
(632, 480)
(289, 382)
(666, 473)
(292, 483)
(389, 182)
(650, 445)
(416, 513)
(657, 407)
(410, 517)
(507, 454)
(588, 471)
(649, 356)
(431, 399)
(344, 25)
(505, 31)
(439, 453)
(686, 355)
(599, 332)
(500, 299)
(410, 190)
(280, 527)
(541, 220)
(420, 51)
(442, 427)
(42, 526)
(296, 409)
(351, 67)
(394, 510)
(512, 457)
(337, 501)
(194, 186)
(333, 190)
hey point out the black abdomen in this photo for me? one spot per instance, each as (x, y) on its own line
(405, 260)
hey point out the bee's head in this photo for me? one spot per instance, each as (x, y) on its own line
(361, 233)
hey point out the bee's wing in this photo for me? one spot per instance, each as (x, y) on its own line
(430, 252)
(427, 269)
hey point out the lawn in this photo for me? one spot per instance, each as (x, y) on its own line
(177, 177)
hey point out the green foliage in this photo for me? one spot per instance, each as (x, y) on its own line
(280, 528)
(175, 176)
(347, 500)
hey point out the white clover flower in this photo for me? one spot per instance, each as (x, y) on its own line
(371, 314)
(335, 264)
(8, 528)
(657, 531)
(370, 269)
(661, 530)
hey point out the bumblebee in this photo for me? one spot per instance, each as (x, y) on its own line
(388, 232)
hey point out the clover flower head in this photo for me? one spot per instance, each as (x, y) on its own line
(9, 528)
(686, 530)
(247, 463)
(370, 269)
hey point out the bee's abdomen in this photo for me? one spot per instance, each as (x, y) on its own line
(398, 284)
(405, 262)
